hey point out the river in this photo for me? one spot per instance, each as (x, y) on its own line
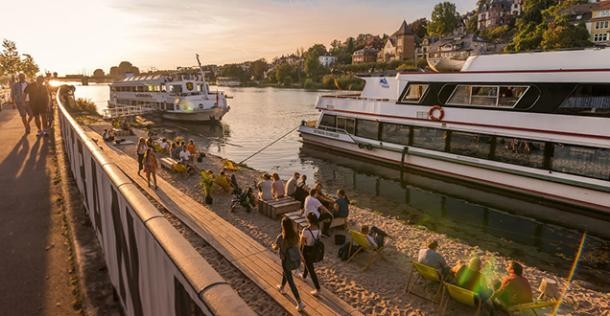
(258, 116)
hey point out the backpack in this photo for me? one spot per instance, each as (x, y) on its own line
(344, 252)
(316, 251)
(293, 258)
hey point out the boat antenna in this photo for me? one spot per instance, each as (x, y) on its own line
(205, 86)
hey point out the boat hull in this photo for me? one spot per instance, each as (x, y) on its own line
(594, 201)
(211, 115)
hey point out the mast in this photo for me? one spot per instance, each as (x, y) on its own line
(205, 86)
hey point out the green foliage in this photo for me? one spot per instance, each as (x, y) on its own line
(406, 67)
(11, 63)
(342, 82)
(499, 33)
(543, 25)
(472, 24)
(284, 74)
(419, 27)
(234, 71)
(311, 85)
(444, 19)
(83, 106)
(257, 69)
(312, 67)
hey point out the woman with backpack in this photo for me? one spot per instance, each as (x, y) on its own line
(287, 244)
(313, 250)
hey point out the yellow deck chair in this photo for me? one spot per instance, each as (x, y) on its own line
(427, 273)
(530, 308)
(229, 165)
(360, 239)
(461, 295)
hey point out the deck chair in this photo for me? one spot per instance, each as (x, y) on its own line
(359, 239)
(530, 308)
(460, 295)
(427, 273)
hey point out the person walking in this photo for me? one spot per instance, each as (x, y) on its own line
(150, 166)
(309, 236)
(141, 151)
(39, 104)
(287, 244)
(20, 98)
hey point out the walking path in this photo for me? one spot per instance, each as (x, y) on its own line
(256, 261)
(35, 269)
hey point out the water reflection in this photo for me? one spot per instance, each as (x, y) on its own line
(456, 209)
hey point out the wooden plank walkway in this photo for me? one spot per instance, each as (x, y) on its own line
(256, 261)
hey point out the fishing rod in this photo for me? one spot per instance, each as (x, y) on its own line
(268, 145)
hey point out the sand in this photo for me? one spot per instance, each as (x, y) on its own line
(381, 289)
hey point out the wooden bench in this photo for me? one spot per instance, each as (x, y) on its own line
(277, 207)
(298, 219)
(168, 163)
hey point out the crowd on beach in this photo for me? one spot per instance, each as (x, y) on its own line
(33, 101)
(319, 209)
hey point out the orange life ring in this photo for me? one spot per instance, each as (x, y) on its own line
(436, 113)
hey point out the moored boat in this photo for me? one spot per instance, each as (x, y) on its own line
(542, 130)
(182, 95)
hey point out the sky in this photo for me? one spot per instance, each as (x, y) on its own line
(78, 36)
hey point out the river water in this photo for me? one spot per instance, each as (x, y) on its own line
(258, 116)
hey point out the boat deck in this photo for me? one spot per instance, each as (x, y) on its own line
(254, 260)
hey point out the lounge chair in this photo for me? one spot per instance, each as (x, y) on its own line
(359, 239)
(460, 295)
(427, 273)
(530, 308)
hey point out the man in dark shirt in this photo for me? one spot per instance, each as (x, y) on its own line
(39, 104)
(341, 204)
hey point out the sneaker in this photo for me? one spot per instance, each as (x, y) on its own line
(39, 133)
(301, 275)
(280, 289)
(300, 307)
(315, 293)
(44, 133)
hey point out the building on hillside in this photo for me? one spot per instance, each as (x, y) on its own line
(600, 23)
(326, 61)
(450, 53)
(365, 55)
(399, 46)
(494, 13)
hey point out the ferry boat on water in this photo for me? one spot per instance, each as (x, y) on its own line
(539, 126)
(183, 95)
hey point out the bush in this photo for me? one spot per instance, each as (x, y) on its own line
(310, 84)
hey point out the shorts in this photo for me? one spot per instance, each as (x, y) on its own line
(37, 109)
(23, 109)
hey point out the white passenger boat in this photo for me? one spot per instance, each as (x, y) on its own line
(537, 124)
(182, 95)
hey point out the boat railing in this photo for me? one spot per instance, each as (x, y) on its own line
(355, 97)
(127, 110)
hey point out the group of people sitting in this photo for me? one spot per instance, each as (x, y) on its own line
(513, 289)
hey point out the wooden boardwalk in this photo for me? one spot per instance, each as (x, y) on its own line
(256, 261)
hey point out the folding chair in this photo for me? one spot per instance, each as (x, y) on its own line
(530, 308)
(460, 295)
(360, 239)
(427, 273)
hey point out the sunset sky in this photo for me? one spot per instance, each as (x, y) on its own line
(76, 36)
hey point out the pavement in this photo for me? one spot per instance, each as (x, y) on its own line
(35, 266)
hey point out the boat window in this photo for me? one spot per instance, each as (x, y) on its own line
(347, 124)
(367, 129)
(588, 99)
(395, 133)
(487, 95)
(163, 88)
(583, 161)
(328, 121)
(429, 138)
(415, 92)
(140, 88)
(472, 145)
(175, 88)
(520, 151)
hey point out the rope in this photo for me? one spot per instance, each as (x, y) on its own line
(268, 145)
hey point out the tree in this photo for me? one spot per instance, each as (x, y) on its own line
(562, 34)
(258, 68)
(419, 27)
(283, 74)
(9, 58)
(444, 19)
(28, 66)
(98, 73)
(472, 24)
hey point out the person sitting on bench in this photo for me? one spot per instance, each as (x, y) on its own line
(340, 209)
(313, 205)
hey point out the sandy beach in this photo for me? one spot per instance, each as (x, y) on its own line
(381, 289)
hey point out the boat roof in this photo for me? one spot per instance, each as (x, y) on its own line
(556, 60)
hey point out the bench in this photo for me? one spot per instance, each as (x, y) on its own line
(277, 207)
(298, 219)
(168, 163)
